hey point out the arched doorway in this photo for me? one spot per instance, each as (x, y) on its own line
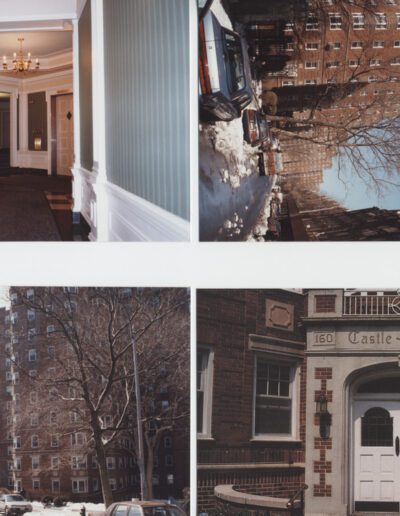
(375, 431)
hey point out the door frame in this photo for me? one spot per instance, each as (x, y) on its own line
(52, 144)
(374, 372)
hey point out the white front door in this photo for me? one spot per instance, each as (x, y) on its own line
(377, 455)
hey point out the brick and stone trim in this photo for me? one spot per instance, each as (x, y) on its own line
(322, 466)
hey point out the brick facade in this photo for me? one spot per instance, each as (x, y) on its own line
(227, 320)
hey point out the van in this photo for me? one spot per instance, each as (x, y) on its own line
(224, 72)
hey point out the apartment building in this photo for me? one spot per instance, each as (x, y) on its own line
(47, 442)
(298, 396)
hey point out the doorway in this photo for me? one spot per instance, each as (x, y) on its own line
(62, 135)
(376, 446)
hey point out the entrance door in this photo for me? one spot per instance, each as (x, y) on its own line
(65, 134)
(377, 455)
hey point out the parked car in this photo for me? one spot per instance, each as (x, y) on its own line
(263, 163)
(224, 71)
(14, 504)
(138, 508)
(255, 128)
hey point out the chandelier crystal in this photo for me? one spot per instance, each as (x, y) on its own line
(21, 63)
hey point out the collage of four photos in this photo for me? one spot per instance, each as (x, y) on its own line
(238, 125)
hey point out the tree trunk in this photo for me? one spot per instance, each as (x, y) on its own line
(102, 464)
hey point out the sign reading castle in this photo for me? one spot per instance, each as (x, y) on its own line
(355, 339)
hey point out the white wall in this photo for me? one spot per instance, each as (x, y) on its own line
(19, 10)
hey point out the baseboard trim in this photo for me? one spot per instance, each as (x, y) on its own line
(132, 218)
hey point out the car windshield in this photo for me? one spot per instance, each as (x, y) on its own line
(15, 498)
(235, 65)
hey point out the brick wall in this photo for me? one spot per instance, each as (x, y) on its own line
(225, 319)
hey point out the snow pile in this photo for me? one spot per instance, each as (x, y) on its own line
(232, 228)
(221, 15)
(261, 226)
(71, 509)
(241, 158)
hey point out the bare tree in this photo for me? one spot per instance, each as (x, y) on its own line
(89, 375)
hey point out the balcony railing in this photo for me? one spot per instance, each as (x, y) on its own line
(372, 305)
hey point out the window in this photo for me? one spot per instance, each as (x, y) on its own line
(32, 355)
(312, 22)
(274, 398)
(31, 315)
(395, 61)
(113, 484)
(70, 306)
(54, 441)
(30, 294)
(78, 439)
(358, 21)
(17, 464)
(356, 44)
(169, 460)
(311, 64)
(312, 46)
(336, 45)
(31, 334)
(378, 44)
(96, 484)
(287, 82)
(14, 317)
(110, 461)
(397, 21)
(17, 442)
(380, 21)
(289, 26)
(14, 339)
(71, 290)
(55, 462)
(106, 421)
(51, 351)
(332, 64)
(167, 442)
(55, 485)
(35, 484)
(396, 44)
(376, 62)
(289, 47)
(34, 441)
(310, 81)
(80, 485)
(50, 329)
(34, 419)
(35, 462)
(33, 396)
(14, 298)
(78, 462)
(335, 20)
(377, 428)
(205, 359)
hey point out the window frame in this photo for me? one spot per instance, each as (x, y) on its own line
(206, 432)
(294, 365)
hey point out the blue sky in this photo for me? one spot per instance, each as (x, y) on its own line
(355, 194)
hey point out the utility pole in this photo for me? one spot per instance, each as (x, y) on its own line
(140, 447)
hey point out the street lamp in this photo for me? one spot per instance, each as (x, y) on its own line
(325, 418)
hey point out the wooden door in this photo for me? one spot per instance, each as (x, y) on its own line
(65, 134)
(377, 455)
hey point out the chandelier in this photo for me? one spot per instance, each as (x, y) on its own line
(20, 62)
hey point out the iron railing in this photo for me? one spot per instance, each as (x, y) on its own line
(372, 305)
(295, 509)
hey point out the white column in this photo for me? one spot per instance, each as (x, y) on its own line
(76, 172)
(13, 130)
(23, 122)
(99, 121)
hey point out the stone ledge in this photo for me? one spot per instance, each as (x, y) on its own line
(246, 466)
(228, 494)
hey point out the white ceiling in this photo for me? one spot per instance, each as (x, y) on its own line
(40, 44)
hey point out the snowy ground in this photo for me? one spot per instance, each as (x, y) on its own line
(232, 194)
(71, 509)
